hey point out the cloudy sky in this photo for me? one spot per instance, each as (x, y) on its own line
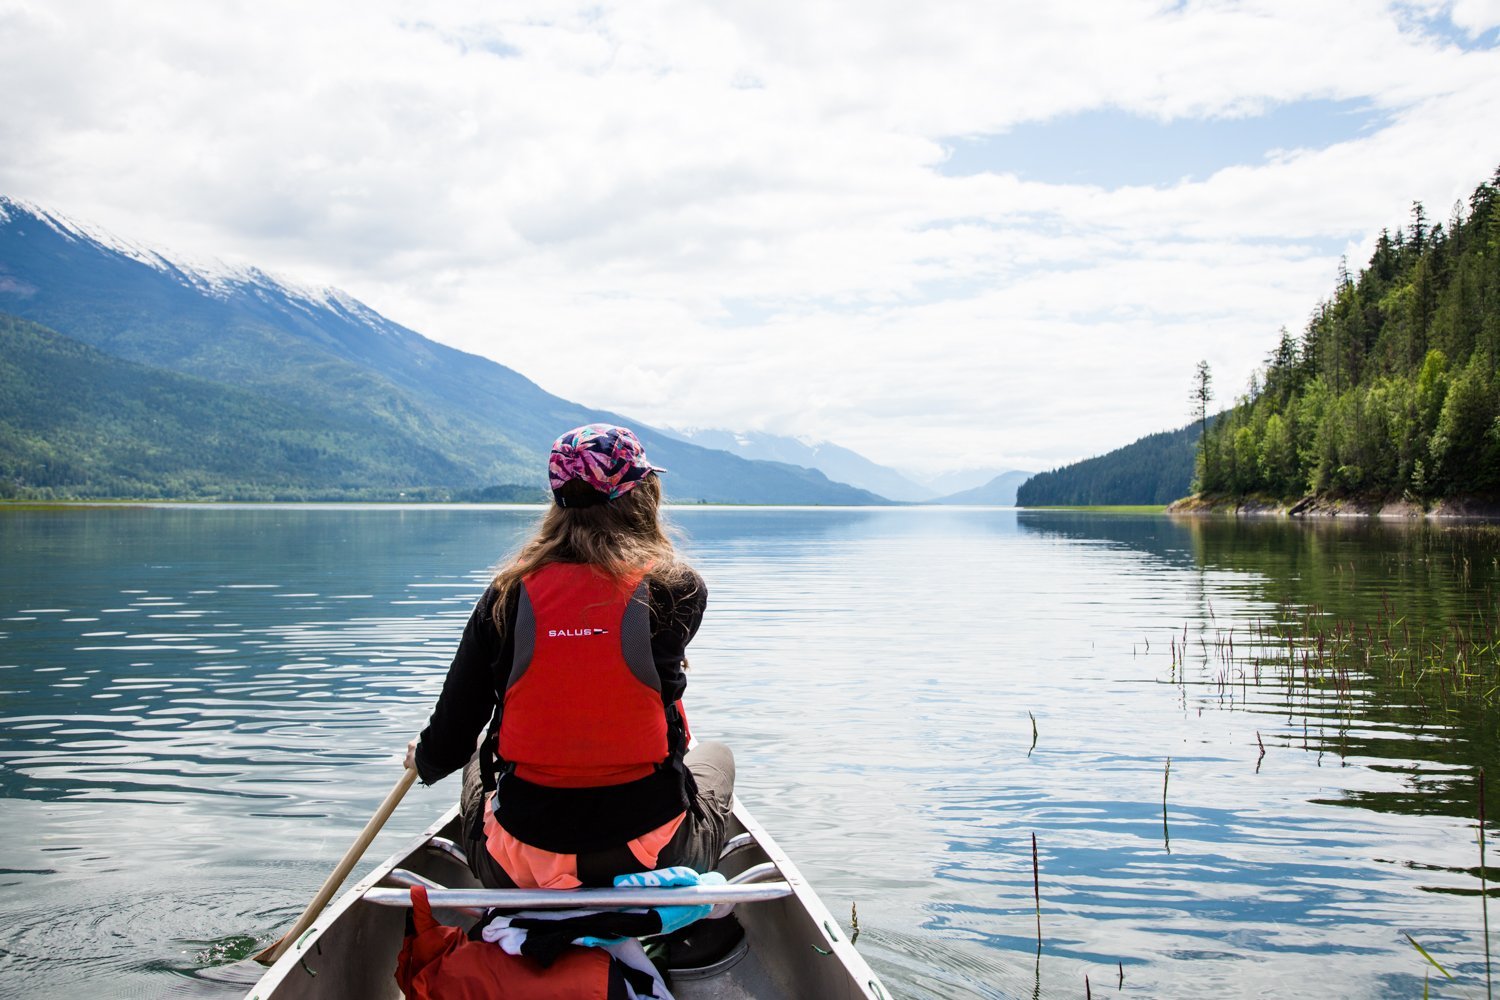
(946, 235)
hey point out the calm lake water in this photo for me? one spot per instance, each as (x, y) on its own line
(200, 706)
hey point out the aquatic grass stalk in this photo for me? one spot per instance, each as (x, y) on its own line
(1423, 951)
(1166, 834)
(1036, 893)
(1484, 893)
(1033, 734)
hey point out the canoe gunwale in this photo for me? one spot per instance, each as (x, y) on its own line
(832, 942)
(291, 959)
(864, 977)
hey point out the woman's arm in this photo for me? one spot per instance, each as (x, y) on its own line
(467, 701)
(676, 613)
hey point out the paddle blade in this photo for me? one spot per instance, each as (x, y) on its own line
(341, 871)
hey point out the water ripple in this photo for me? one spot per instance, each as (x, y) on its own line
(203, 704)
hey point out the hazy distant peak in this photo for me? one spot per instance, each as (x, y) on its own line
(838, 463)
(999, 491)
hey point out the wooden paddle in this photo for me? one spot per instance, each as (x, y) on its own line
(341, 871)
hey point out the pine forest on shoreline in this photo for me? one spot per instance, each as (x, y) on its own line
(1391, 391)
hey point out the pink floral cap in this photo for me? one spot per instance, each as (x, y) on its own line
(607, 458)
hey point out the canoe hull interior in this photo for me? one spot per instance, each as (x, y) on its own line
(795, 948)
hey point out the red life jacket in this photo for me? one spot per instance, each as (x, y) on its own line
(583, 704)
(590, 756)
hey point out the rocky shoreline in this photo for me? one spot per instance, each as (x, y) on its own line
(1319, 506)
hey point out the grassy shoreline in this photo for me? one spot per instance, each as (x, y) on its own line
(1317, 506)
(1127, 508)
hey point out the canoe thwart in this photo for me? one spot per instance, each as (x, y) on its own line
(401, 876)
(763, 872)
(586, 899)
(442, 845)
(735, 843)
(620, 898)
(766, 871)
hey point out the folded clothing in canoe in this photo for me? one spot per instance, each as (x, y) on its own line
(439, 962)
(543, 936)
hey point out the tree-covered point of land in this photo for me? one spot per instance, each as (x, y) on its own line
(1392, 389)
(1156, 469)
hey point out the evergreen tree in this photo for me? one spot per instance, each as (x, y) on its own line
(1203, 393)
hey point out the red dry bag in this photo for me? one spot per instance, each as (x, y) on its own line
(439, 962)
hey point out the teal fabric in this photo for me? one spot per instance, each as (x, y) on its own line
(672, 917)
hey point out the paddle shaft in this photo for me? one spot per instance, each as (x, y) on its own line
(341, 871)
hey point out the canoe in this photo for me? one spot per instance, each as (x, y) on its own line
(792, 945)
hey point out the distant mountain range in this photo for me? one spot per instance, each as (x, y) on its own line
(978, 486)
(949, 483)
(998, 492)
(835, 462)
(142, 375)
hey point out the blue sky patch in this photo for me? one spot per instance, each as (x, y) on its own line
(1113, 148)
(1440, 26)
(745, 312)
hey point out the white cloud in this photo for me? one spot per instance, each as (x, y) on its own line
(739, 207)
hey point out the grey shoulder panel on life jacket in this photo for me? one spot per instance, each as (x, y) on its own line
(635, 637)
(525, 637)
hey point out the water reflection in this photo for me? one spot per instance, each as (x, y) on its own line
(1171, 540)
(201, 705)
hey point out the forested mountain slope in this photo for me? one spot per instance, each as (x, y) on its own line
(1392, 388)
(1156, 469)
(75, 422)
(428, 417)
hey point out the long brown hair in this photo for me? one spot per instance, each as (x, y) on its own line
(621, 537)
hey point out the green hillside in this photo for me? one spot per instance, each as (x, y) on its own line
(313, 393)
(77, 423)
(1156, 469)
(1392, 389)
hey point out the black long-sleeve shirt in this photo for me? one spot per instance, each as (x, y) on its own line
(476, 678)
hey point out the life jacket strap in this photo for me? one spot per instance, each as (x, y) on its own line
(676, 760)
(490, 766)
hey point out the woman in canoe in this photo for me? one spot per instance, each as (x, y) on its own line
(574, 658)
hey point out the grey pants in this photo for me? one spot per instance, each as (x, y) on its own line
(696, 843)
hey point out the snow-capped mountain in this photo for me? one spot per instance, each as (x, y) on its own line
(209, 275)
(412, 407)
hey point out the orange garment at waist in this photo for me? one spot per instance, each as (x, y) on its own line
(533, 868)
